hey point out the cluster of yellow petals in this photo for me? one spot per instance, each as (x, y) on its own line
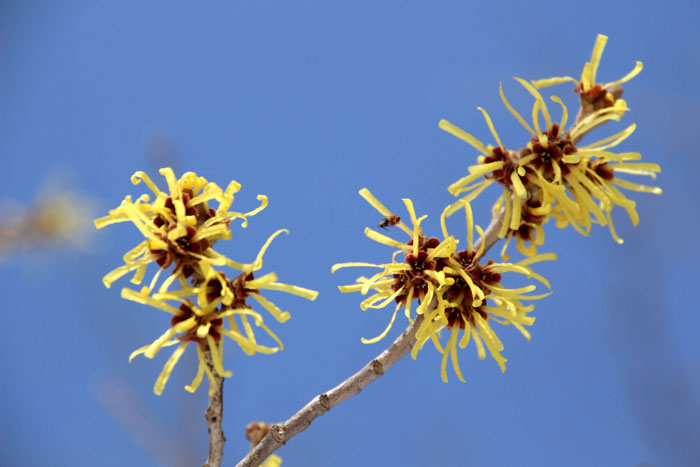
(179, 211)
(578, 187)
(180, 229)
(587, 86)
(443, 284)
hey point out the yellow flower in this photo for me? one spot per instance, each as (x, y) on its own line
(415, 278)
(452, 289)
(462, 302)
(234, 293)
(530, 229)
(202, 324)
(595, 96)
(219, 300)
(507, 168)
(580, 181)
(552, 175)
(180, 227)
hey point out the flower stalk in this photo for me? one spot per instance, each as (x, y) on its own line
(280, 434)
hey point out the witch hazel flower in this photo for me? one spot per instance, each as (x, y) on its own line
(414, 278)
(473, 299)
(595, 96)
(552, 175)
(453, 290)
(180, 229)
(179, 226)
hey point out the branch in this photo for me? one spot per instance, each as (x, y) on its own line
(214, 415)
(319, 405)
(491, 232)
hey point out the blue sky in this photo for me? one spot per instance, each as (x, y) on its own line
(307, 102)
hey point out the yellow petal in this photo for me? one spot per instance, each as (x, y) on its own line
(595, 60)
(217, 358)
(262, 281)
(513, 111)
(210, 376)
(491, 128)
(168, 368)
(143, 349)
(452, 345)
(544, 83)
(292, 289)
(383, 239)
(613, 140)
(635, 71)
(263, 205)
(123, 270)
(139, 177)
(384, 333)
(160, 342)
(564, 112)
(197, 379)
(637, 187)
(464, 136)
(375, 203)
(538, 98)
(134, 296)
(278, 314)
(258, 263)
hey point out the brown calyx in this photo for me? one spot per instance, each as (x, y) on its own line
(255, 432)
(597, 97)
(214, 289)
(602, 169)
(186, 312)
(503, 174)
(559, 144)
(460, 293)
(462, 314)
(415, 278)
(527, 218)
(181, 251)
(240, 291)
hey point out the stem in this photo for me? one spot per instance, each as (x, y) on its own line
(319, 405)
(214, 416)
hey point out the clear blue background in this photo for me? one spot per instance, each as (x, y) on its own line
(307, 102)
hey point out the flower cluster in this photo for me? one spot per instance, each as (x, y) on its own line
(553, 175)
(595, 96)
(453, 290)
(58, 217)
(449, 294)
(180, 229)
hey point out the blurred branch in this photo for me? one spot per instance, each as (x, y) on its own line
(120, 401)
(319, 405)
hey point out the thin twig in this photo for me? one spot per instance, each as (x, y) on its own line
(214, 415)
(319, 405)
